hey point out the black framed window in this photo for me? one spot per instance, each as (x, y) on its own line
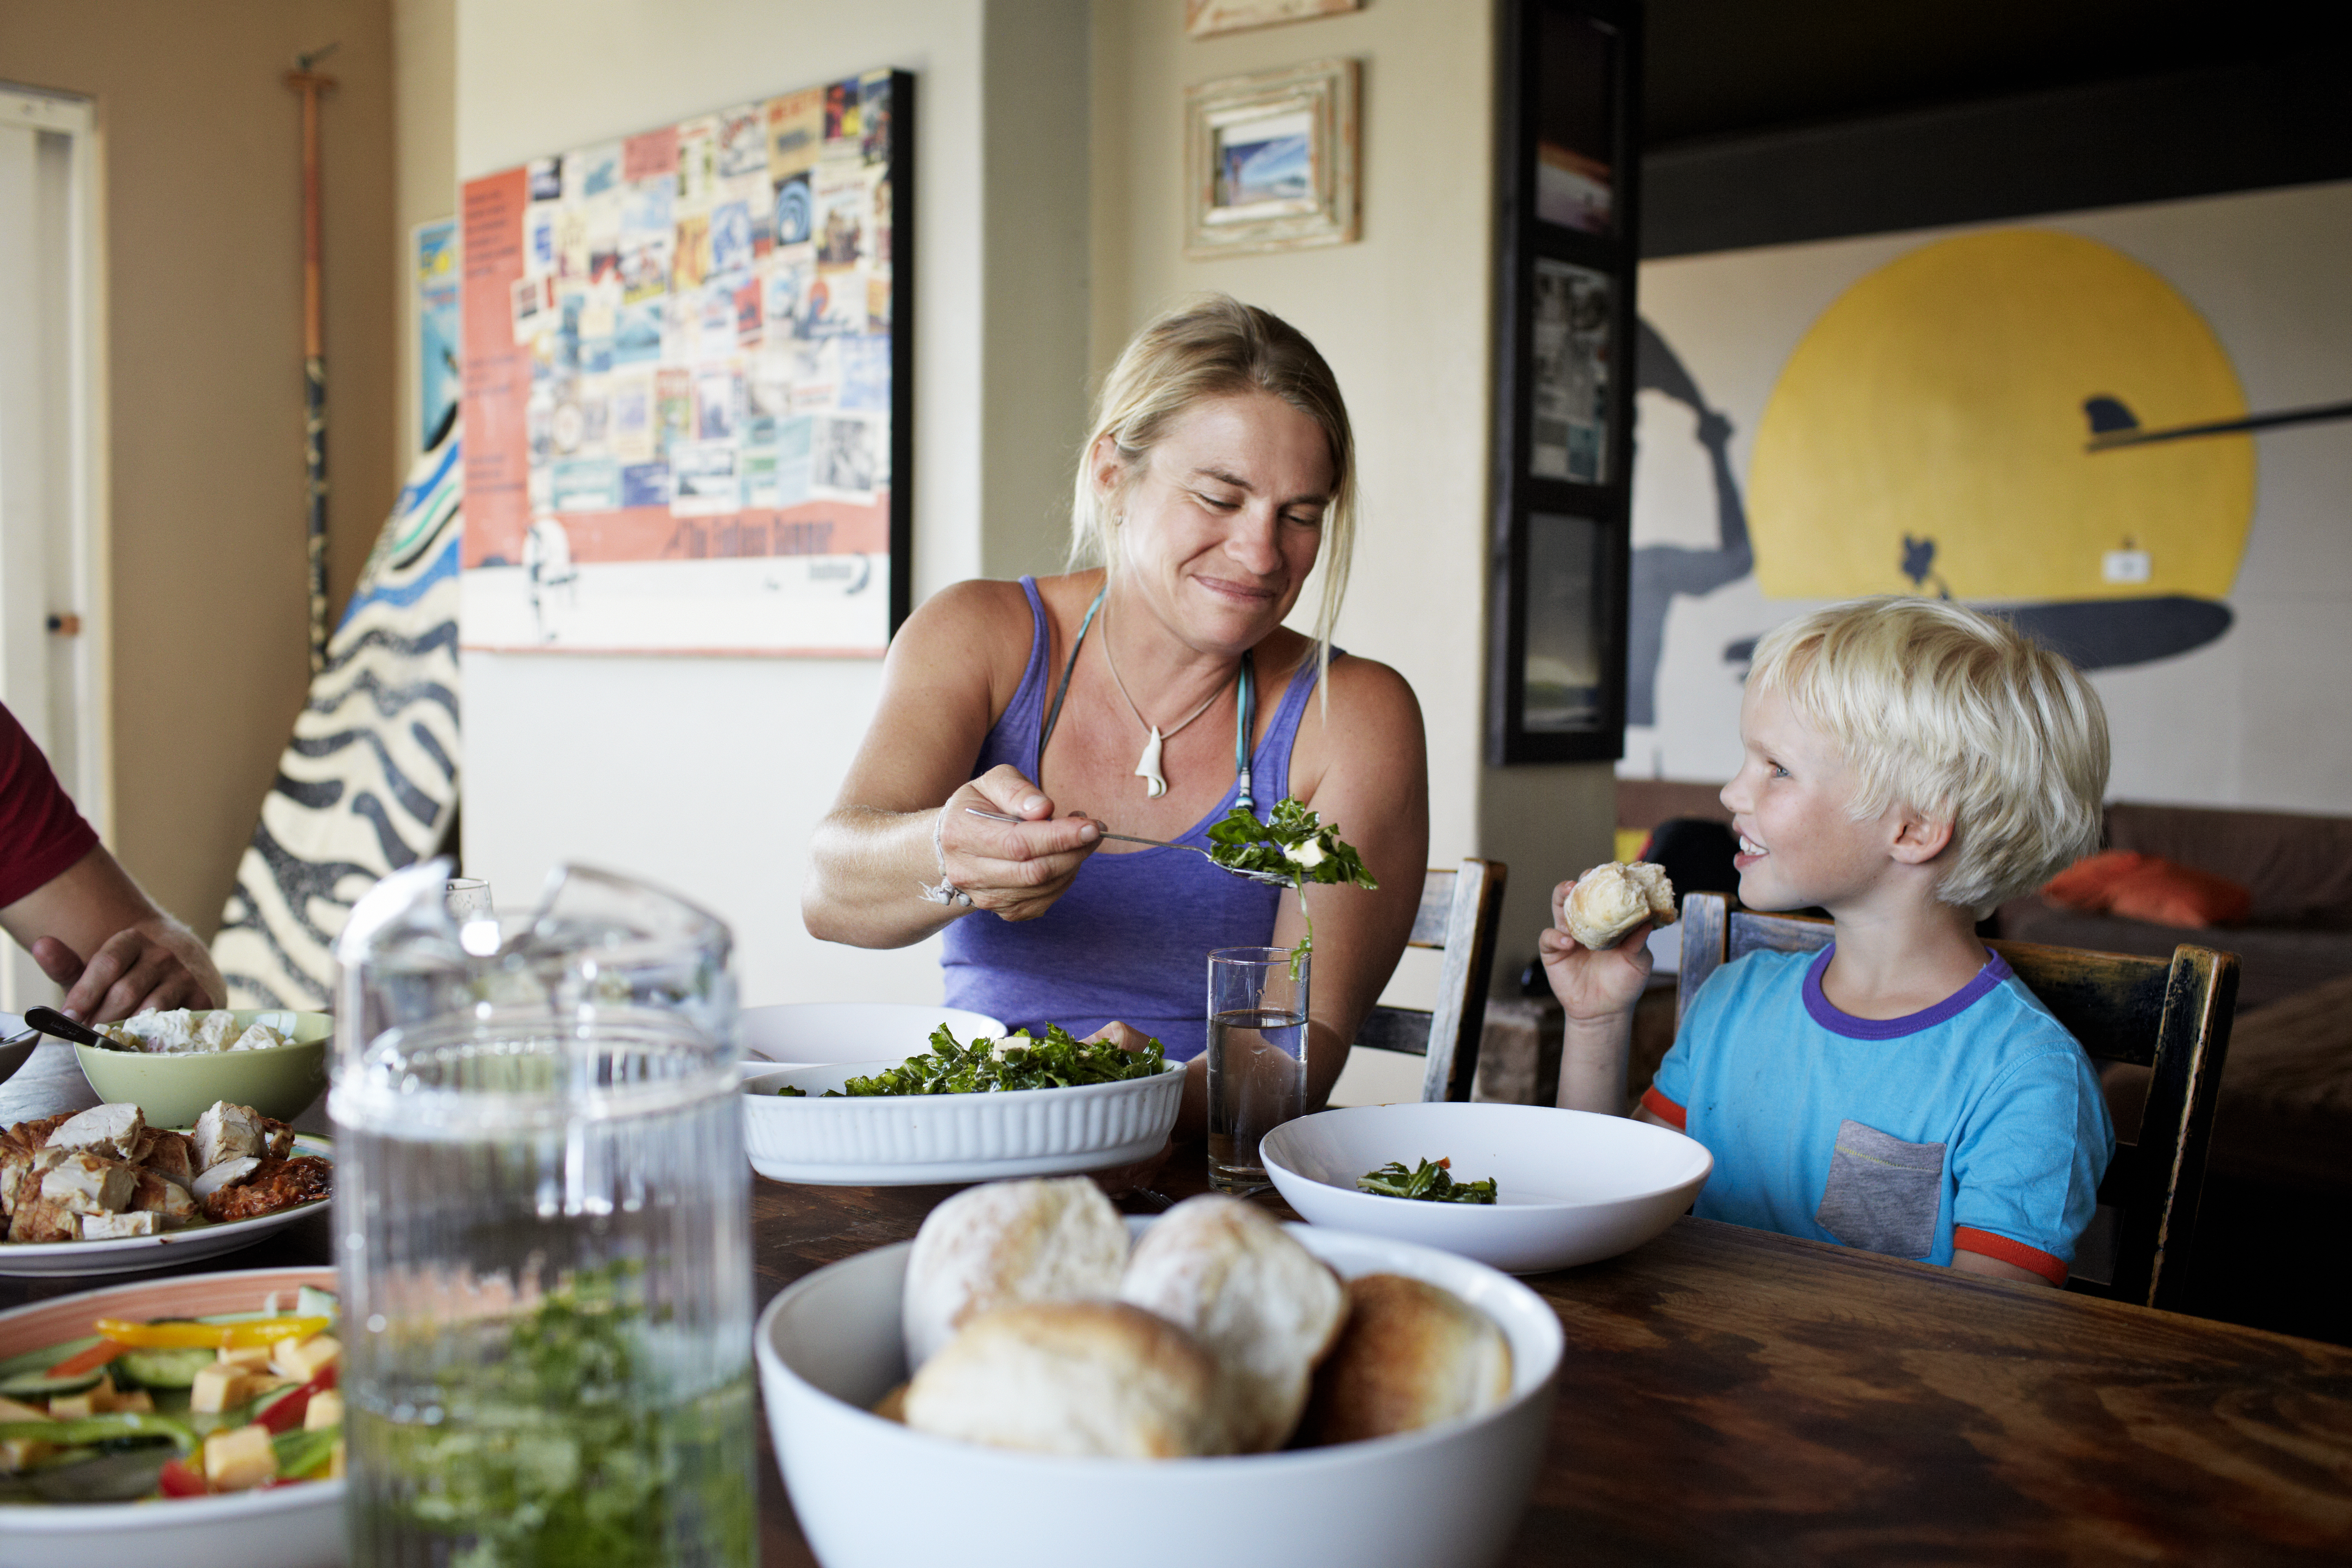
(1563, 410)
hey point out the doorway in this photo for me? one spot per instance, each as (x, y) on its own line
(52, 476)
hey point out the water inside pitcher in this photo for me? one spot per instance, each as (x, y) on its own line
(542, 1229)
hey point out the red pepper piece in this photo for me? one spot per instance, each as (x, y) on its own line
(181, 1478)
(90, 1360)
(287, 1413)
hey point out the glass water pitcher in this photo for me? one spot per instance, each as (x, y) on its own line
(543, 1228)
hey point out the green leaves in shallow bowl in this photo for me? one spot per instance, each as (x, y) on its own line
(1430, 1181)
(1018, 1061)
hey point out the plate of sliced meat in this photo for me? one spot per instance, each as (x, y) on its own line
(100, 1192)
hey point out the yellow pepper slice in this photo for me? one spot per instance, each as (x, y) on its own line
(183, 1335)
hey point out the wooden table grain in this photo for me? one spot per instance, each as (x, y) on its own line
(1731, 1397)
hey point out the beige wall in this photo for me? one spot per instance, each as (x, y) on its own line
(1404, 317)
(200, 165)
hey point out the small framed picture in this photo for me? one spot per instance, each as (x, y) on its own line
(1270, 160)
(1207, 18)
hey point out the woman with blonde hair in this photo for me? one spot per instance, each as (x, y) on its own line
(1151, 688)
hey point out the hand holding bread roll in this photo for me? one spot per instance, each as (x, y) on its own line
(1612, 899)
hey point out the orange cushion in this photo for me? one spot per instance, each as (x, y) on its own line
(2088, 884)
(2149, 887)
(2169, 895)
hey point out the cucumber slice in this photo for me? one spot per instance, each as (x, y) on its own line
(316, 1303)
(161, 1368)
(27, 1376)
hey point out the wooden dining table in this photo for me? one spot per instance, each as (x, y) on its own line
(1733, 1396)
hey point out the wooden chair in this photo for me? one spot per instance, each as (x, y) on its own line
(1460, 913)
(2171, 1017)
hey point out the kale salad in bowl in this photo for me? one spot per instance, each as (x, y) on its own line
(975, 1111)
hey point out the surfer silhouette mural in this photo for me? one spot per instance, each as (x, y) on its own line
(2026, 420)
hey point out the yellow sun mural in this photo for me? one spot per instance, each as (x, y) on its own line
(1933, 432)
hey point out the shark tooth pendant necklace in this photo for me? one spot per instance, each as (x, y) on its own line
(1147, 767)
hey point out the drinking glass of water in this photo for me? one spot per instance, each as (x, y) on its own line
(1257, 1057)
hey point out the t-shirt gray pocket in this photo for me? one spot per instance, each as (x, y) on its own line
(1882, 1193)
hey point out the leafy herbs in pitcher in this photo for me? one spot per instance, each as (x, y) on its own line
(569, 1448)
(1430, 1181)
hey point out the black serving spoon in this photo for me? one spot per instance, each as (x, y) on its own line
(49, 1021)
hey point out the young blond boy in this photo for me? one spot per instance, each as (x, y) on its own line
(1908, 765)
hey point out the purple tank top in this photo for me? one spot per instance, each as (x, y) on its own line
(1129, 939)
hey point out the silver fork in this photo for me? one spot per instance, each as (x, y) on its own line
(1272, 879)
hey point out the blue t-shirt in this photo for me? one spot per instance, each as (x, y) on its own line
(1979, 1120)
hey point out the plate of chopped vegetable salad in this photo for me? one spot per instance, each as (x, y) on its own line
(195, 1421)
(977, 1111)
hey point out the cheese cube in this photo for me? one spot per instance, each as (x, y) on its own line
(96, 1400)
(111, 1130)
(114, 1226)
(224, 1385)
(239, 1460)
(10, 1410)
(253, 1358)
(301, 1361)
(24, 1453)
(326, 1409)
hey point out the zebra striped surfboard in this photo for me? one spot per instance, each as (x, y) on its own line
(369, 781)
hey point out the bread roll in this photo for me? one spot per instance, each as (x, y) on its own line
(1411, 1356)
(1263, 1305)
(1612, 899)
(1094, 1378)
(1006, 1242)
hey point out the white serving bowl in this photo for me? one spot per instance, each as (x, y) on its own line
(1573, 1188)
(918, 1139)
(805, 1032)
(870, 1493)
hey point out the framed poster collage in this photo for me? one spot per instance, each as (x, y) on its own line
(688, 389)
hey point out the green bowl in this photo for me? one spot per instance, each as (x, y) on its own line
(173, 1090)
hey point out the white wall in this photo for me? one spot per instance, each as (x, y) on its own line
(709, 774)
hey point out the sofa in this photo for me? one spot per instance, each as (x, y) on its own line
(2299, 869)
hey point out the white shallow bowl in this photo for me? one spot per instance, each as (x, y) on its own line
(870, 1493)
(286, 1526)
(918, 1139)
(1572, 1186)
(137, 1254)
(805, 1032)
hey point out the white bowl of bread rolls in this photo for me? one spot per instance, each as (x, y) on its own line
(1572, 1186)
(921, 1138)
(1035, 1382)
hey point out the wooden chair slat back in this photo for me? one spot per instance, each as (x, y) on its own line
(1460, 913)
(2170, 1016)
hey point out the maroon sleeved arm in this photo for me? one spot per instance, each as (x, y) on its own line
(41, 834)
